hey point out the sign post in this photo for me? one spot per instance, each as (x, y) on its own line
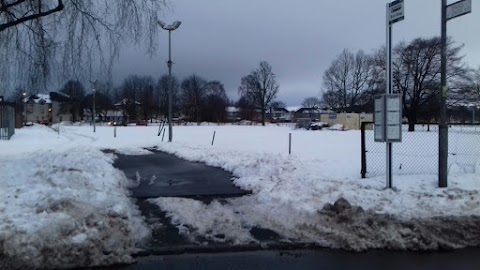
(448, 12)
(395, 13)
(388, 125)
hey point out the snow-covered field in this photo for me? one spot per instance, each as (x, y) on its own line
(65, 204)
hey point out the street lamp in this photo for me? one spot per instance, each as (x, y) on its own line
(170, 28)
(94, 113)
(24, 109)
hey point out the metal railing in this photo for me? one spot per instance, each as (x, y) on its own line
(418, 152)
(7, 121)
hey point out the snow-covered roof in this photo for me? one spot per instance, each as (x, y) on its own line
(464, 103)
(38, 98)
(293, 108)
(124, 102)
(232, 109)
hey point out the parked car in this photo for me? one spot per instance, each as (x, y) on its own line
(303, 123)
(339, 127)
(315, 126)
(141, 122)
(115, 123)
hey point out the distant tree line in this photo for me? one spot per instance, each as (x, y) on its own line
(195, 99)
(353, 79)
(143, 98)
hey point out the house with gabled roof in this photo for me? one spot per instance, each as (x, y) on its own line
(46, 108)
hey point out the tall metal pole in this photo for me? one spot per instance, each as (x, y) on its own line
(170, 82)
(388, 90)
(24, 109)
(473, 114)
(94, 112)
(443, 127)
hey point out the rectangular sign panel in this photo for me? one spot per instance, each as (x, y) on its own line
(379, 130)
(458, 9)
(388, 118)
(396, 11)
(393, 118)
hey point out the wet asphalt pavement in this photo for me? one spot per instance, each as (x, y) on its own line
(313, 259)
(164, 175)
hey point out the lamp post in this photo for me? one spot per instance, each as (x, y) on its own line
(170, 28)
(24, 109)
(94, 113)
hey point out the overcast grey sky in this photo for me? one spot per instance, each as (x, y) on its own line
(225, 39)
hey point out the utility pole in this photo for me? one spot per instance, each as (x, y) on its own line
(448, 12)
(388, 90)
(94, 111)
(443, 127)
(24, 95)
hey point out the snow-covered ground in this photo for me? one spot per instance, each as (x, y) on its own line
(62, 193)
(63, 204)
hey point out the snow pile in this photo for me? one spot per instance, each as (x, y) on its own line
(339, 225)
(63, 209)
(205, 221)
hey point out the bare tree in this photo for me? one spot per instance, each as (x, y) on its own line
(216, 102)
(194, 90)
(103, 103)
(45, 39)
(246, 108)
(260, 87)
(161, 94)
(137, 97)
(13, 13)
(347, 81)
(278, 104)
(476, 82)
(76, 93)
(147, 102)
(311, 103)
(416, 74)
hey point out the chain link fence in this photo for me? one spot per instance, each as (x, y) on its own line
(7, 121)
(418, 151)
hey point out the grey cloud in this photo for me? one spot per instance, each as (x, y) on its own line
(226, 39)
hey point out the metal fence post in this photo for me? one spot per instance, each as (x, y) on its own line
(289, 143)
(213, 139)
(364, 150)
(115, 131)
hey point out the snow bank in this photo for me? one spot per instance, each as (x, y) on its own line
(339, 225)
(63, 209)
